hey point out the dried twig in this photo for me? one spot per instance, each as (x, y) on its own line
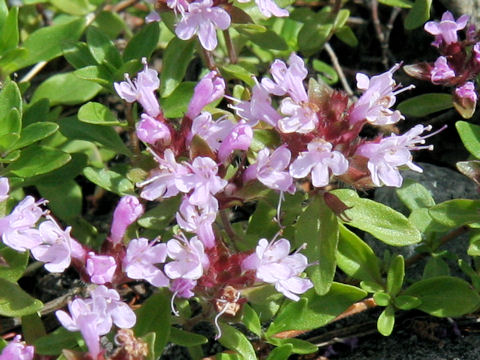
(338, 69)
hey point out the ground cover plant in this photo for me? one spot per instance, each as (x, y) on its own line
(201, 173)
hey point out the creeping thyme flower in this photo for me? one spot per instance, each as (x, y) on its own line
(140, 259)
(128, 210)
(100, 268)
(4, 188)
(213, 132)
(203, 19)
(467, 91)
(274, 265)
(189, 259)
(209, 89)
(445, 31)
(17, 350)
(441, 72)
(268, 8)
(319, 160)
(153, 131)
(239, 138)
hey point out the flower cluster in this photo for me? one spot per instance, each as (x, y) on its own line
(458, 64)
(17, 350)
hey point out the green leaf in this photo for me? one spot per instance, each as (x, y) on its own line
(425, 104)
(161, 215)
(36, 112)
(313, 35)
(435, 267)
(46, 43)
(251, 320)
(395, 275)
(56, 341)
(406, 302)
(109, 180)
(73, 7)
(280, 353)
(64, 198)
(12, 124)
(106, 136)
(418, 15)
(110, 23)
(154, 316)
(386, 321)
(66, 89)
(356, 258)
(470, 135)
(102, 48)
(314, 311)
(371, 287)
(10, 98)
(298, 346)
(96, 113)
(414, 195)
(397, 3)
(327, 73)
(318, 228)
(9, 34)
(32, 327)
(16, 302)
(35, 132)
(144, 43)
(346, 35)
(237, 72)
(455, 213)
(78, 54)
(16, 264)
(176, 58)
(176, 104)
(444, 296)
(36, 160)
(381, 221)
(186, 338)
(260, 35)
(3, 12)
(382, 299)
(96, 74)
(234, 339)
(474, 246)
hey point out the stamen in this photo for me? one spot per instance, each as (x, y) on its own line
(219, 331)
(172, 305)
(399, 91)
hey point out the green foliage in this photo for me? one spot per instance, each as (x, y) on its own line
(177, 56)
(16, 302)
(470, 135)
(425, 104)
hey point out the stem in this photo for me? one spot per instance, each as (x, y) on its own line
(232, 54)
(338, 69)
(209, 60)
(227, 226)
(131, 129)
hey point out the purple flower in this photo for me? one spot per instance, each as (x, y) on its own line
(212, 132)
(189, 259)
(100, 268)
(288, 80)
(162, 181)
(302, 118)
(17, 228)
(379, 95)
(152, 131)
(94, 317)
(391, 152)
(476, 52)
(153, 16)
(441, 72)
(203, 180)
(270, 169)
(128, 210)
(274, 265)
(319, 160)
(239, 138)
(268, 8)
(183, 288)
(445, 31)
(259, 108)
(467, 91)
(199, 219)
(142, 89)
(4, 188)
(140, 259)
(17, 350)
(56, 247)
(203, 19)
(209, 89)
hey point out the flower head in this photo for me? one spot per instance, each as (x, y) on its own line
(100, 268)
(17, 350)
(209, 89)
(128, 210)
(445, 31)
(153, 131)
(189, 259)
(441, 72)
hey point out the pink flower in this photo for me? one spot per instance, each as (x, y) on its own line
(467, 91)
(441, 72)
(203, 19)
(268, 8)
(203, 180)
(128, 210)
(153, 16)
(17, 350)
(17, 228)
(476, 52)
(4, 188)
(274, 265)
(100, 268)
(199, 219)
(301, 117)
(94, 317)
(288, 80)
(183, 288)
(391, 152)
(140, 259)
(239, 138)
(142, 89)
(445, 31)
(56, 247)
(319, 160)
(189, 259)
(270, 169)
(162, 181)
(211, 131)
(152, 131)
(379, 95)
(209, 89)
